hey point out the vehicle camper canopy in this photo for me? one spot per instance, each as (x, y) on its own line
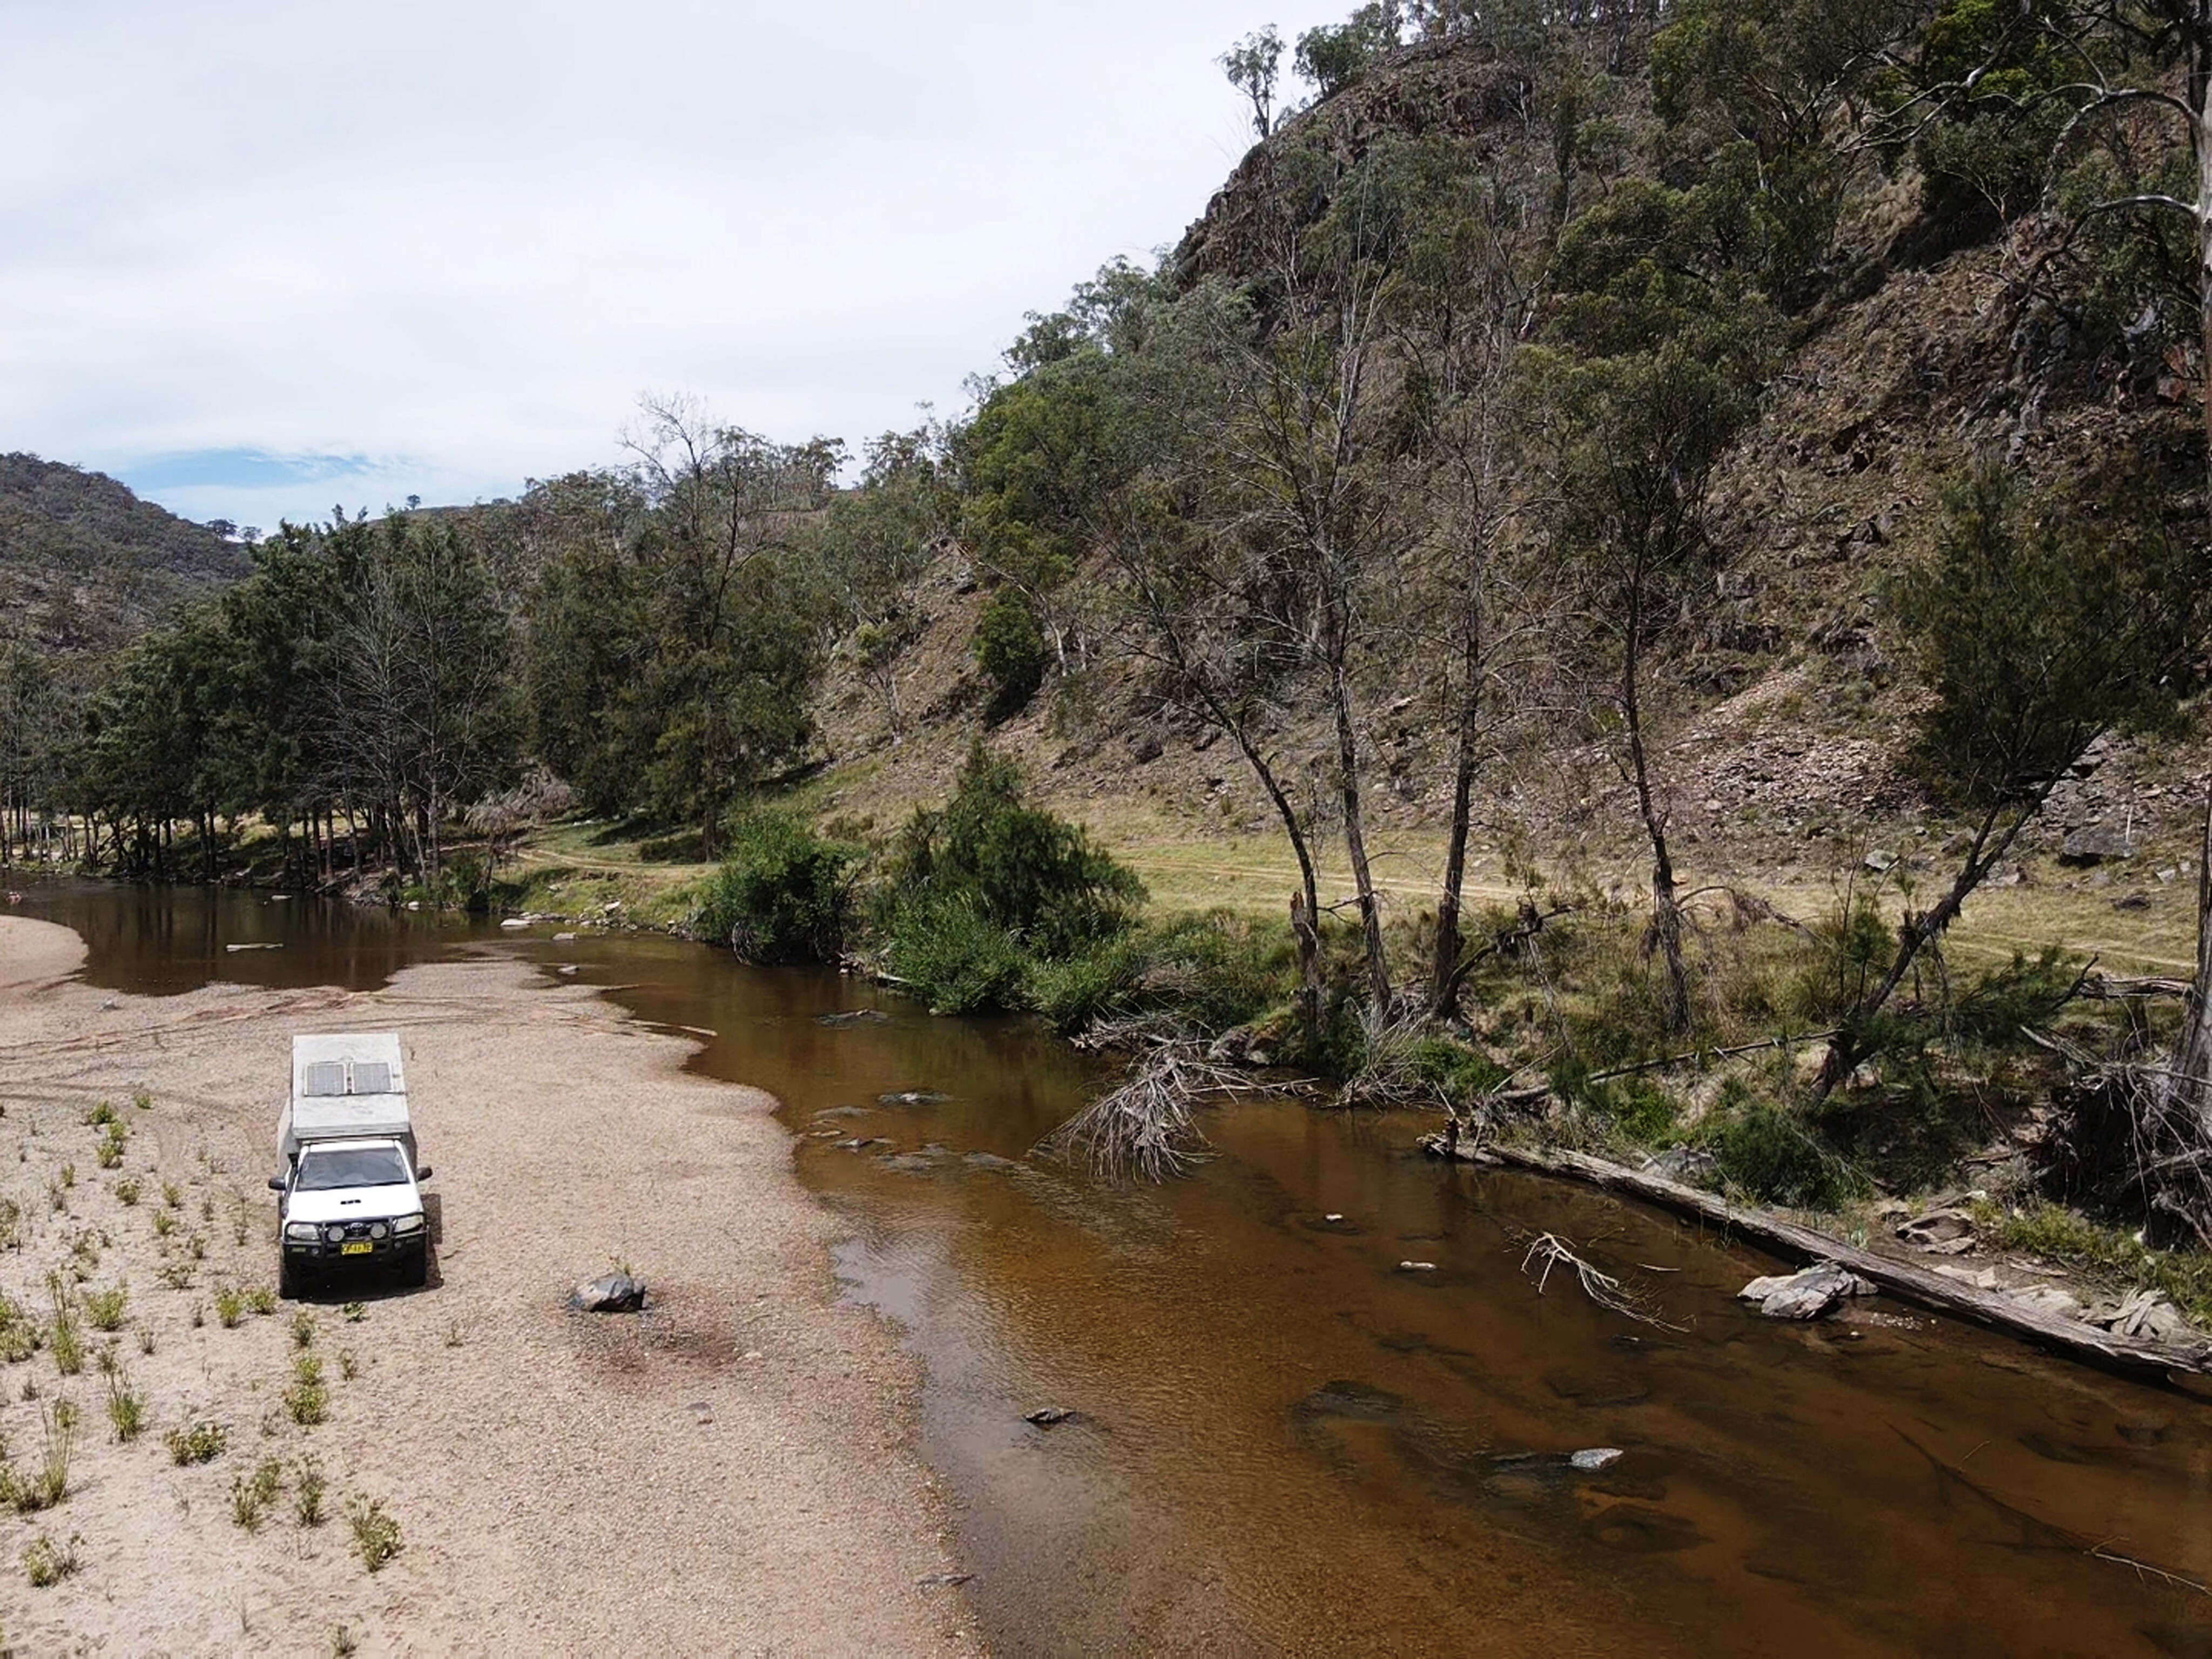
(347, 1086)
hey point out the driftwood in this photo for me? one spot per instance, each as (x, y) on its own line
(1148, 1126)
(2129, 1356)
(2114, 987)
(1601, 1288)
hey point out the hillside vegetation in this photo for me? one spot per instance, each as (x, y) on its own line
(1618, 528)
(86, 567)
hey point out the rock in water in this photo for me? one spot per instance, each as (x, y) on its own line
(1806, 1295)
(1594, 1457)
(616, 1293)
(1045, 1417)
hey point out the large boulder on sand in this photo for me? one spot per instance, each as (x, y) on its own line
(616, 1292)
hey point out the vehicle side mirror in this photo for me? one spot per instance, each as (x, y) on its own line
(424, 1173)
(276, 1183)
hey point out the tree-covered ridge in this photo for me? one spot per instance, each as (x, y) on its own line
(85, 565)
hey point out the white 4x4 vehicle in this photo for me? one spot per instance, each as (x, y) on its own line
(348, 1192)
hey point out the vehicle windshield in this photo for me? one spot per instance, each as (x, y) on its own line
(352, 1166)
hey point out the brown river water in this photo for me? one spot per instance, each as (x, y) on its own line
(1284, 1443)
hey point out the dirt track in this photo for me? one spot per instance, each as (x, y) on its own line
(732, 1471)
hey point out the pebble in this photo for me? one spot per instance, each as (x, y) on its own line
(1417, 1267)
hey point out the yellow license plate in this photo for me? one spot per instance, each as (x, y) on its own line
(360, 1247)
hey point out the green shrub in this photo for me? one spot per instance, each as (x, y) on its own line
(1213, 971)
(783, 893)
(1010, 649)
(1037, 876)
(954, 958)
(1100, 983)
(1766, 1151)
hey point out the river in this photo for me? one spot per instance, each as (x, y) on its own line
(1283, 1440)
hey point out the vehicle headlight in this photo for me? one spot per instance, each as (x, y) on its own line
(302, 1230)
(408, 1223)
(334, 1235)
(377, 1230)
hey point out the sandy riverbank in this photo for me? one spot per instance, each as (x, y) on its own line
(731, 1473)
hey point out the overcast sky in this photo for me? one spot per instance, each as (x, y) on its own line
(259, 258)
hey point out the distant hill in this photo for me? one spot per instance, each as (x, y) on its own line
(86, 566)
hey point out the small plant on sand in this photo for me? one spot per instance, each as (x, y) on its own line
(109, 1152)
(303, 1329)
(105, 1308)
(345, 1643)
(348, 1366)
(164, 1224)
(11, 1222)
(57, 1200)
(128, 1191)
(177, 1275)
(20, 1338)
(240, 1228)
(172, 1195)
(100, 1116)
(197, 1443)
(46, 1563)
(308, 1398)
(145, 1337)
(355, 1312)
(376, 1534)
(126, 1407)
(251, 1495)
(50, 1486)
(63, 1339)
(307, 1489)
(229, 1305)
(142, 1099)
(457, 1334)
(197, 1246)
(69, 1174)
(261, 1300)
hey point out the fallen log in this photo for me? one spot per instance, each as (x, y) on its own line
(2133, 1357)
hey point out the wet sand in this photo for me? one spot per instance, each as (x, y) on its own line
(734, 1471)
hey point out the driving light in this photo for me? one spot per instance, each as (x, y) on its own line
(301, 1230)
(408, 1223)
(377, 1230)
(335, 1235)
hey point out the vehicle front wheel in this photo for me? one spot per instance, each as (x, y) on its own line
(415, 1268)
(288, 1280)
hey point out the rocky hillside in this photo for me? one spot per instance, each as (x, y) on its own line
(1786, 723)
(86, 566)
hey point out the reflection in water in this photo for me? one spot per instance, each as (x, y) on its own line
(1282, 1442)
(163, 941)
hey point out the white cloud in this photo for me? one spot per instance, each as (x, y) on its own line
(459, 238)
